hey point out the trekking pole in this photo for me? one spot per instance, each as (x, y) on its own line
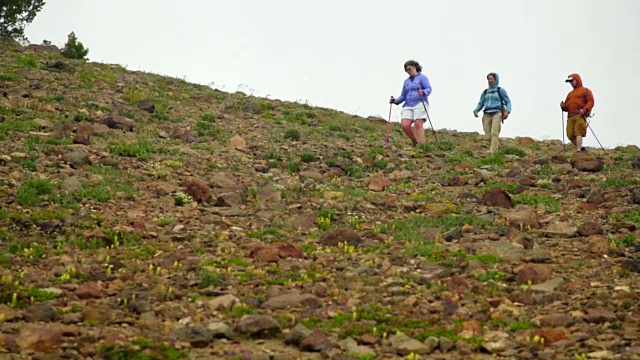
(594, 135)
(386, 142)
(562, 113)
(428, 118)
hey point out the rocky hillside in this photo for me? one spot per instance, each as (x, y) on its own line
(144, 217)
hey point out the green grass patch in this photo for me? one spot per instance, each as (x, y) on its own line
(209, 278)
(141, 149)
(19, 124)
(520, 325)
(300, 117)
(140, 349)
(378, 321)
(265, 233)
(240, 311)
(292, 134)
(31, 192)
(445, 145)
(334, 126)
(455, 159)
(511, 150)
(433, 252)
(133, 96)
(112, 181)
(27, 61)
(550, 203)
(497, 159)
(627, 150)
(508, 187)
(619, 182)
(491, 275)
(8, 77)
(544, 170)
(410, 229)
(205, 128)
(293, 167)
(308, 157)
(485, 258)
(40, 295)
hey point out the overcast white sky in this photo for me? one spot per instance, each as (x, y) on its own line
(348, 55)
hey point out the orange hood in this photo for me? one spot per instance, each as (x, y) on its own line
(578, 80)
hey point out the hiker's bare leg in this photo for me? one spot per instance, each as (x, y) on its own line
(581, 131)
(418, 130)
(578, 143)
(406, 127)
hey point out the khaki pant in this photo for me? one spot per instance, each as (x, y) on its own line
(576, 126)
(492, 123)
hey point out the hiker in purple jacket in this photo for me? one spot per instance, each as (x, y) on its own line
(415, 92)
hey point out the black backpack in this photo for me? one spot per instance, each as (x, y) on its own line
(586, 100)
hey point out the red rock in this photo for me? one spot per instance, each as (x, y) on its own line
(590, 228)
(197, 189)
(599, 316)
(524, 140)
(139, 226)
(274, 251)
(586, 163)
(38, 338)
(319, 289)
(83, 134)
(367, 339)
(589, 207)
(463, 166)
(598, 245)
(182, 134)
(497, 197)
(119, 122)
(472, 328)
(456, 284)
(378, 183)
(578, 184)
(550, 336)
(524, 216)
(559, 159)
(457, 181)
(316, 341)
(537, 273)
(337, 236)
(527, 182)
(88, 290)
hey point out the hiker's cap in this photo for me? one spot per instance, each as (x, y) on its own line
(569, 79)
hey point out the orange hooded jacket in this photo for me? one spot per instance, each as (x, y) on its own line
(576, 99)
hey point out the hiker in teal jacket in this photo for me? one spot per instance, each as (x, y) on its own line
(497, 107)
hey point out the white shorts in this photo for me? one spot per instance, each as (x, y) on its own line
(415, 113)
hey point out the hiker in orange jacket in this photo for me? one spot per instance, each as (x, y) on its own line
(578, 105)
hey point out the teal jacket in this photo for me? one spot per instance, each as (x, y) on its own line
(490, 100)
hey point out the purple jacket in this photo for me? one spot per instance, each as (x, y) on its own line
(410, 88)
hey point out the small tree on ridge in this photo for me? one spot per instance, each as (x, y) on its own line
(74, 49)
